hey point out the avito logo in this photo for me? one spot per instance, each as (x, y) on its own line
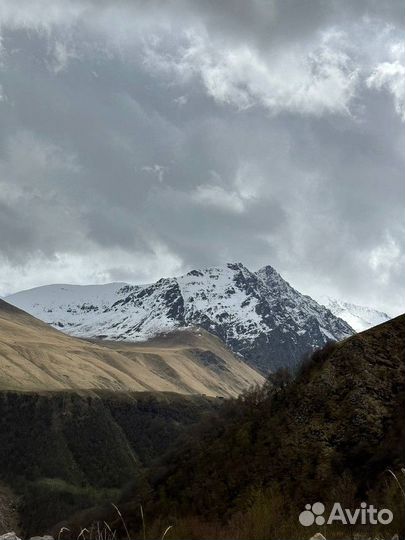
(366, 514)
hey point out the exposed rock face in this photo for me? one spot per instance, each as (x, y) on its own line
(9, 536)
(257, 314)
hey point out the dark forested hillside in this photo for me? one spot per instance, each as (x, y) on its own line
(330, 434)
(65, 451)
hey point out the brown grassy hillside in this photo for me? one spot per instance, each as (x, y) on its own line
(35, 357)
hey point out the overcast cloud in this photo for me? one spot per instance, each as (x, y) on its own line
(141, 139)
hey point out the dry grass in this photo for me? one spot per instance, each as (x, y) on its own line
(397, 480)
(103, 531)
(36, 357)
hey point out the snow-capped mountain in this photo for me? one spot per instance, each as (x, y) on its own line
(358, 317)
(257, 314)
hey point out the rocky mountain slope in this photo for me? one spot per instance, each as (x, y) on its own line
(258, 315)
(36, 357)
(360, 318)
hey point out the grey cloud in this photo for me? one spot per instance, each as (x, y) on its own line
(87, 119)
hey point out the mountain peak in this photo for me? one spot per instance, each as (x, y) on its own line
(267, 269)
(257, 315)
(234, 266)
(269, 273)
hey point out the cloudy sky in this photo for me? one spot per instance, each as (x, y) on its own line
(140, 139)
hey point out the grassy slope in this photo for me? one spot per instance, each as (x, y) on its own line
(35, 357)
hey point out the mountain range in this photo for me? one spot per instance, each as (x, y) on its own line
(258, 315)
(360, 318)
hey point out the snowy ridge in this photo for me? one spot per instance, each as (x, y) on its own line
(359, 317)
(258, 315)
